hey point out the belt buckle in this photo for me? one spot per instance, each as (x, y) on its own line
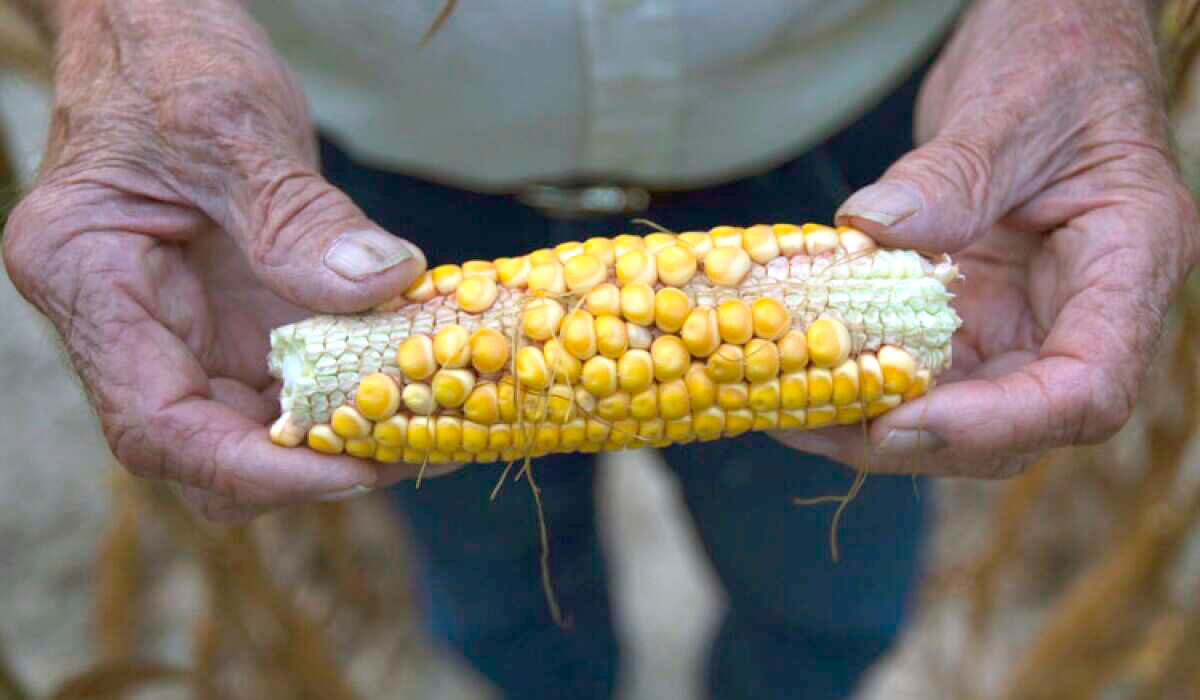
(585, 200)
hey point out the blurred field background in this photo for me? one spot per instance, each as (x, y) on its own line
(1080, 579)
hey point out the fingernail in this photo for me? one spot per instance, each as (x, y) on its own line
(885, 203)
(359, 254)
(352, 492)
(907, 441)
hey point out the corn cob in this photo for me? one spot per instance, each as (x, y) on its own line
(621, 342)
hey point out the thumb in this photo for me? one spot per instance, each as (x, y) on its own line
(939, 198)
(308, 242)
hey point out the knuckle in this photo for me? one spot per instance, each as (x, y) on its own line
(291, 208)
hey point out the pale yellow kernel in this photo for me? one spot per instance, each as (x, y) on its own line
(500, 436)
(726, 266)
(920, 384)
(637, 266)
(513, 272)
(679, 431)
(420, 433)
(578, 334)
(701, 389)
(766, 420)
(733, 396)
(821, 416)
(883, 404)
(599, 376)
(487, 456)
(701, 332)
(363, 447)
(476, 294)
(546, 437)
(793, 390)
(533, 407)
(828, 342)
(563, 365)
(489, 350)
(446, 278)
(573, 433)
(764, 396)
(288, 431)
(820, 386)
(635, 370)
(560, 403)
(542, 256)
(677, 265)
(871, 378)
(584, 400)
(415, 357)
(820, 240)
(644, 404)
(388, 454)
(762, 360)
(655, 242)
(600, 249)
(726, 236)
(850, 414)
(855, 242)
(790, 239)
(483, 405)
(540, 318)
(568, 251)
(322, 439)
(451, 387)
(699, 242)
(671, 309)
(670, 358)
(727, 364)
(422, 289)
(415, 456)
(392, 432)
(452, 347)
(479, 268)
(760, 244)
(637, 303)
(439, 457)
(899, 369)
(709, 423)
(448, 433)
(583, 273)
(771, 318)
(377, 396)
(418, 399)
(845, 383)
(604, 300)
(640, 337)
(611, 337)
(738, 422)
(597, 430)
(793, 351)
(348, 423)
(735, 321)
(532, 369)
(547, 279)
(651, 429)
(673, 399)
(506, 399)
(626, 242)
(623, 432)
(793, 419)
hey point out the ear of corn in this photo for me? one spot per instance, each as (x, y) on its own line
(621, 342)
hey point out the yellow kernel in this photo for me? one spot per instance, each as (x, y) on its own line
(771, 318)
(489, 350)
(513, 272)
(448, 434)
(614, 407)
(700, 332)
(738, 422)
(676, 265)
(673, 399)
(547, 279)
(541, 318)
(599, 376)
(506, 399)
(348, 423)
(883, 404)
(479, 268)
(671, 309)
(533, 407)
(563, 365)
(726, 266)
(637, 266)
(288, 431)
(573, 433)
(418, 399)
(733, 396)
(487, 456)
(655, 242)
(793, 390)
(698, 242)
(637, 303)
(709, 423)
(651, 429)
(679, 431)
(446, 278)
(600, 249)
(451, 387)
(604, 300)
(820, 386)
(500, 437)
(452, 347)
(821, 416)
(828, 342)
(532, 370)
(635, 370)
(920, 384)
(820, 240)
(845, 383)
(726, 236)
(855, 242)
(735, 322)
(626, 242)
(644, 404)
(670, 358)
(387, 454)
(793, 419)
(543, 256)
(596, 430)
(583, 272)
(578, 334)
(765, 420)
(422, 289)
(560, 403)
(363, 447)
(476, 294)
(793, 351)
(871, 378)
(392, 432)
(764, 396)
(322, 439)
(760, 244)
(899, 369)
(623, 432)
(483, 405)
(415, 456)
(702, 390)
(377, 396)
(420, 433)
(612, 338)
(415, 358)
(727, 364)
(850, 414)
(568, 251)
(762, 360)
(439, 457)
(790, 239)
(546, 437)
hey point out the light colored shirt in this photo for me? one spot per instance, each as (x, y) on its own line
(662, 93)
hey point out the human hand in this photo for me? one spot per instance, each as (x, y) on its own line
(1045, 170)
(177, 218)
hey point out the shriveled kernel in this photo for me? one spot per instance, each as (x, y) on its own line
(671, 309)
(670, 358)
(735, 321)
(883, 404)
(513, 272)
(547, 278)
(415, 357)
(762, 360)
(651, 429)
(479, 268)
(625, 242)
(726, 266)
(899, 369)
(506, 399)
(701, 332)
(451, 387)
(604, 300)
(563, 365)
(699, 242)
(702, 390)
(870, 378)
(533, 407)
(677, 265)
(532, 369)
(377, 396)
(446, 278)
(738, 421)
(578, 334)
(679, 431)
(638, 265)
(709, 423)
(568, 251)
(288, 431)
(348, 423)
(635, 370)
(759, 242)
(392, 432)
(500, 436)
(733, 396)
(845, 383)
(820, 240)
(483, 405)
(726, 236)
(644, 404)
(543, 256)
(727, 364)
(322, 439)
(614, 407)
(476, 294)
(793, 351)
(474, 436)
(623, 432)
(766, 420)
(771, 318)
(790, 239)
(583, 272)
(820, 386)
(920, 384)
(489, 350)
(422, 289)
(418, 399)
(764, 396)
(850, 414)
(821, 416)
(387, 454)
(640, 337)
(657, 241)
(637, 303)
(452, 347)
(600, 249)
(584, 400)
(599, 376)
(611, 337)
(828, 342)
(541, 318)
(448, 433)
(573, 433)
(855, 242)
(421, 433)
(596, 430)
(793, 419)
(793, 390)
(560, 403)
(673, 399)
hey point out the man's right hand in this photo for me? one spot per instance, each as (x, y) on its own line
(179, 216)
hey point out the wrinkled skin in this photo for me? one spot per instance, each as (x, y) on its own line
(179, 216)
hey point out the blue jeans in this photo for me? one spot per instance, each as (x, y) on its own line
(798, 626)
